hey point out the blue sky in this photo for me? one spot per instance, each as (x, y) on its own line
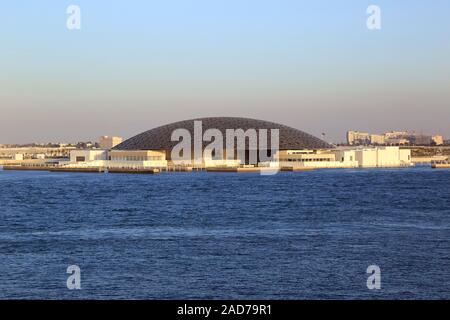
(137, 64)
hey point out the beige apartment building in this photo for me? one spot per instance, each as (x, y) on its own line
(377, 139)
(109, 142)
(356, 137)
(393, 138)
(438, 140)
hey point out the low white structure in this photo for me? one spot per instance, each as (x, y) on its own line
(379, 157)
(347, 158)
(383, 157)
(18, 157)
(137, 159)
(211, 162)
(316, 159)
(406, 157)
(96, 158)
(367, 158)
(80, 156)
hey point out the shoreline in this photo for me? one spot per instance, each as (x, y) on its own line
(260, 170)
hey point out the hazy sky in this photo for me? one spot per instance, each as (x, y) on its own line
(135, 65)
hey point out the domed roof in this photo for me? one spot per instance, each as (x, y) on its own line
(160, 138)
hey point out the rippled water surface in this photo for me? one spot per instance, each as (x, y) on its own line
(226, 236)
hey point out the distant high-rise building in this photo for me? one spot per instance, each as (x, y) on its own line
(397, 142)
(358, 138)
(377, 139)
(393, 138)
(420, 140)
(109, 142)
(396, 134)
(437, 140)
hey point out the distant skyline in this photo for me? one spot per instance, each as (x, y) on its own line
(321, 136)
(135, 65)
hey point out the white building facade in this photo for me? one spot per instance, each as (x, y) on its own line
(379, 157)
(98, 158)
